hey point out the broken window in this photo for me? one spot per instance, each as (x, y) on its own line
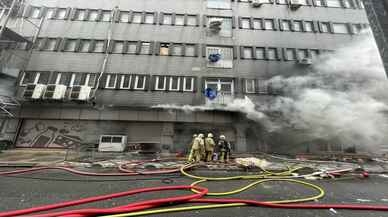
(35, 12)
(250, 86)
(61, 14)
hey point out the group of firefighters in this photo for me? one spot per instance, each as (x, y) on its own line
(205, 149)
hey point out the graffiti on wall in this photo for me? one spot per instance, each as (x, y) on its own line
(43, 134)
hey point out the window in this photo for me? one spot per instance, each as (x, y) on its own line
(177, 50)
(188, 84)
(303, 53)
(319, 3)
(347, 3)
(93, 15)
(247, 53)
(286, 25)
(298, 26)
(111, 81)
(225, 28)
(91, 80)
(136, 17)
(160, 82)
(175, 83)
(245, 23)
(191, 20)
(85, 45)
(190, 50)
(118, 47)
(145, 48)
(61, 14)
(340, 28)
(325, 27)
(140, 82)
(50, 13)
(290, 53)
(50, 44)
(250, 85)
(167, 19)
(132, 47)
(260, 53)
(314, 53)
(333, 3)
(60, 78)
(268, 24)
(70, 45)
(124, 16)
(219, 4)
(226, 57)
(164, 49)
(309, 26)
(179, 20)
(43, 77)
(80, 14)
(357, 28)
(126, 81)
(80, 79)
(106, 16)
(99, 46)
(263, 86)
(272, 53)
(29, 78)
(282, 2)
(149, 18)
(35, 12)
(257, 23)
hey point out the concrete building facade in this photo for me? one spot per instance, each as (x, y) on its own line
(130, 56)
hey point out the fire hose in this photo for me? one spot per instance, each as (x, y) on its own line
(141, 208)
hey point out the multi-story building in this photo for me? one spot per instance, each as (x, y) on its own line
(377, 11)
(98, 67)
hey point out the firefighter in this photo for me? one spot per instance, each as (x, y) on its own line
(209, 147)
(202, 151)
(196, 149)
(225, 148)
(190, 159)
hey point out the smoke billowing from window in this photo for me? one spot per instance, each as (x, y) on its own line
(342, 97)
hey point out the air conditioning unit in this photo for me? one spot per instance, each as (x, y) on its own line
(112, 143)
(305, 61)
(80, 93)
(55, 91)
(34, 91)
(295, 4)
(258, 3)
(215, 24)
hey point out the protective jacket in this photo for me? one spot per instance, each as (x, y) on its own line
(209, 144)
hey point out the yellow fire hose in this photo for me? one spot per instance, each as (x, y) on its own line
(267, 176)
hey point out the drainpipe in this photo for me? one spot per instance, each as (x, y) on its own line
(107, 54)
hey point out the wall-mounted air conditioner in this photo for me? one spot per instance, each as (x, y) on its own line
(305, 61)
(113, 143)
(81, 93)
(55, 91)
(215, 24)
(295, 4)
(258, 3)
(34, 91)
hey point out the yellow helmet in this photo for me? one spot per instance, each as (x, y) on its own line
(195, 135)
(201, 135)
(222, 137)
(210, 135)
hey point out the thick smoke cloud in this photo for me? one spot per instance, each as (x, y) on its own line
(342, 97)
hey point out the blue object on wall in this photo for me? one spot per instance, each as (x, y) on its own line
(210, 93)
(214, 57)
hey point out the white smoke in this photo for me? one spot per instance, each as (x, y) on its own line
(342, 97)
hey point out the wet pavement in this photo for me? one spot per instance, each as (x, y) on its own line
(39, 188)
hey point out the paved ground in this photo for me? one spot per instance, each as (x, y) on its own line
(30, 190)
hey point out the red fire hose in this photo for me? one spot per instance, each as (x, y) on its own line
(126, 208)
